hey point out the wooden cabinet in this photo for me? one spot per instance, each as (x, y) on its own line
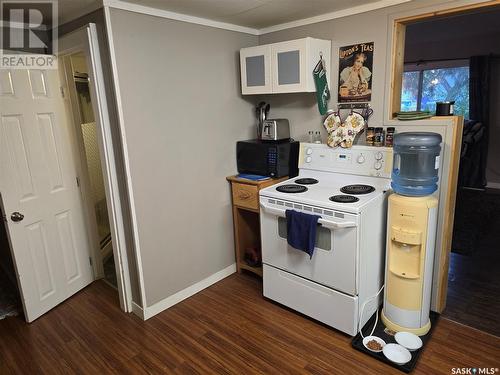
(246, 221)
(283, 67)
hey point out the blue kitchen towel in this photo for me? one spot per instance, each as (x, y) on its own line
(301, 231)
(253, 177)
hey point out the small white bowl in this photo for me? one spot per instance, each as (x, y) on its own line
(377, 339)
(409, 340)
(397, 354)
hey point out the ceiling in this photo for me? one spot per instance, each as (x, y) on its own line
(71, 9)
(255, 14)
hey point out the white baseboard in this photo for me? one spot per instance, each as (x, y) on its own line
(493, 185)
(164, 304)
(137, 310)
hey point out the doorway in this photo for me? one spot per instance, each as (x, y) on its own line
(454, 56)
(92, 180)
(83, 42)
(62, 230)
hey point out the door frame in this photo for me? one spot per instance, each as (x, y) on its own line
(81, 167)
(89, 46)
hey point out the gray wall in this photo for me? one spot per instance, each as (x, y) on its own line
(183, 114)
(97, 17)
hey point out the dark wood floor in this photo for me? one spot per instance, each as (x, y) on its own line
(474, 279)
(225, 329)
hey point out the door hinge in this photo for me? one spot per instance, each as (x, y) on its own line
(62, 91)
(77, 181)
(90, 261)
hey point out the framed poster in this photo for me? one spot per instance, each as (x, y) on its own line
(355, 73)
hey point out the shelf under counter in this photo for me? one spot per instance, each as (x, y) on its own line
(246, 219)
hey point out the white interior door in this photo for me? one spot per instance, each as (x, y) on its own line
(38, 183)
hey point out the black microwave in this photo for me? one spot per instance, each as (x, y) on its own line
(273, 159)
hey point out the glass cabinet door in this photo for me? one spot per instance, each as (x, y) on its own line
(288, 61)
(255, 70)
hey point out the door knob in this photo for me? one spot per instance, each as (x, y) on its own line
(16, 216)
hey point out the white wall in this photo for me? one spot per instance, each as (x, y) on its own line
(183, 114)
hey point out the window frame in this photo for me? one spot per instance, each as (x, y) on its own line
(421, 66)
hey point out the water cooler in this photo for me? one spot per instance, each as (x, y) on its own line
(411, 232)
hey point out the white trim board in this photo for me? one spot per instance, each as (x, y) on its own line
(121, 125)
(148, 312)
(132, 7)
(137, 310)
(84, 40)
(333, 15)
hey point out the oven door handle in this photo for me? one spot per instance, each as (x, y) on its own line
(323, 222)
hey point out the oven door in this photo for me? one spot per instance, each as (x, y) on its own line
(333, 263)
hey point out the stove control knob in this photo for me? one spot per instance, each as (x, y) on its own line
(379, 155)
(378, 165)
(361, 159)
(309, 151)
(308, 159)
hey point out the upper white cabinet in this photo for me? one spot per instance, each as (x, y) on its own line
(256, 69)
(283, 67)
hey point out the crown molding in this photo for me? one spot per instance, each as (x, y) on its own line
(124, 5)
(333, 15)
(132, 7)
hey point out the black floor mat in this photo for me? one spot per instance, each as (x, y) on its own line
(357, 342)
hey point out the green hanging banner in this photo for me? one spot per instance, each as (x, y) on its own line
(322, 91)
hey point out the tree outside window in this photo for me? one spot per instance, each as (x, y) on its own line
(422, 89)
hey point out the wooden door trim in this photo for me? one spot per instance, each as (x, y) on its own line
(451, 193)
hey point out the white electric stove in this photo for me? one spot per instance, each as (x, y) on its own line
(348, 189)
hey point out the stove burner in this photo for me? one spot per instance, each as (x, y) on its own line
(291, 189)
(357, 189)
(306, 181)
(344, 199)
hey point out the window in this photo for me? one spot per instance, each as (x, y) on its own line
(422, 88)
